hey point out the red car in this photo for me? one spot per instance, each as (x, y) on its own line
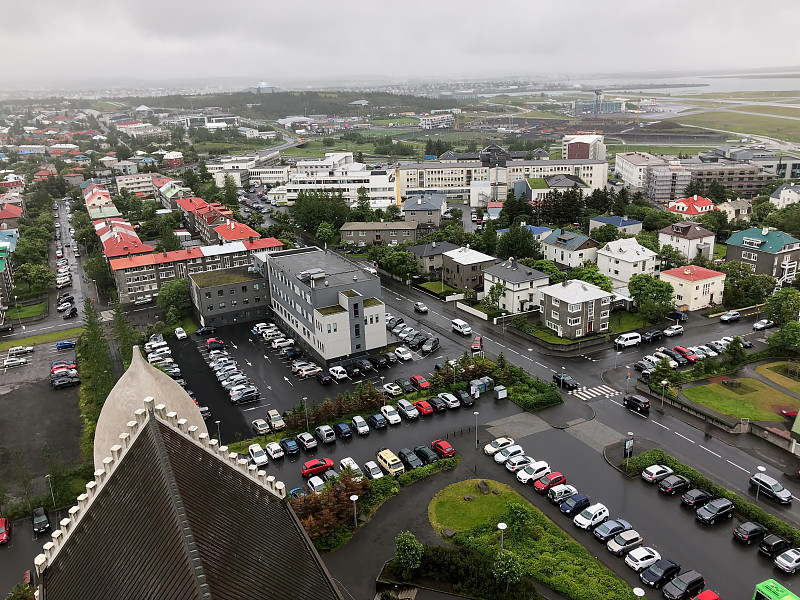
(419, 382)
(443, 449)
(424, 407)
(685, 353)
(5, 530)
(477, 343)
(316, 466)
(548, 481)
(215, 344)
(63, 365)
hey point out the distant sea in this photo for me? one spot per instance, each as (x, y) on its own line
(756, 82)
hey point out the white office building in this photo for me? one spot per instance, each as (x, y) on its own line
(632, 167)
(348, 179)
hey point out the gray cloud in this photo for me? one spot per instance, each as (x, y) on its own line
(52, 41)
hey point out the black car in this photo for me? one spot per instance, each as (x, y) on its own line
(63, 382)
(217, 346)
(353, 370)
(574, 504)
(773, 545)
(749, 532)
(464, 398)
(426, 454)
(659, 573)
(430, 345)
(379, 361)
(289, 446)
(409, 459)
(437, 404)
(7, 326)
(684, 586)
(67, 298)
(377, 421)
(636, 402)
(408, 387)
(716, 510)
(419, 307)
(417, 341)
(394, 322)
(653, 336)
(324, 378)
(681, 360)
(695, 499)
(40, 521)
(293, 354)
(610, 529)
(677, 315)
(565, 382)
(343, 430)
(207, 330)
(391, 357)
(674, 484)
(70, 314)
(364, 365)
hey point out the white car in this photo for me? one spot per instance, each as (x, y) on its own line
(274, 450)
(315, 484)
(673, 330)
(516, 463)
(510, 452)
(284, 343)
(372, 470)
(360, 425)
(349, 463)
(591, 516)
(180, 333)
(390, 414)
(450, 400)
(639, 559)
(698, 353)
(535, 470)
(393, 389)
(708, 351)
(260, 427)
(495, 446)
(789, 561)
(661, 356)
(15, 362)
(64, 306)
(655, 473)
(403, 353)
(338, 373)
(257, 455)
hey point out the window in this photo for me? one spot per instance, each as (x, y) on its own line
(679, 297)
(257, 299)
(362, 234)
(606, 300)
(604, 314)
(244, 288)
(553, 314)
(603, 326)
(355, 309)
(572, 321)
(220, 292)
(578, 332)
(574, 307)
(749, 255)
(256, 287)
(232, 291)
(329, 327)
(357, 330)
(221, 305)
(335, 327)
(208, 294)
(554, 301)
(245, 300)
(234, 302)
(210, 307)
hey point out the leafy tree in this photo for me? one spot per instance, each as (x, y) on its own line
(656, 220)
(21, 591)
(328, 142)
(620, 202)
(599, 201)
(518, 242)
(652, 296)
(783, 306)
(169, 240)
(489, 239)
(325, 233)
(492, 298)
(648, 239)
(393, 212)
(735, 353)
(312, 208)
(408, 553)
(362, 212)
(545, 266)
(125, 335)
(694, 188)
(786, 219)
(671, 257)
(507, 568)
(787, 338)
(716, 192)
(203, 172)
(456, 214)
(230, 193)
(590, 273)
(175, 294)
(663, 372)
(715, 220)
(96, 267)
(743, 287)
(606, 233)
(34, 278)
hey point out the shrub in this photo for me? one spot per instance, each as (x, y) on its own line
(745, 508)
(447, 464)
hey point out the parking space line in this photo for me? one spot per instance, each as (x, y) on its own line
(684, 437)
(737, 466)
(660, 425)
(711, 451)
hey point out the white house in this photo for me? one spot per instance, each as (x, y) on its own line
(522, 285)
(785, 195)
(695, 287)
(569, 249)
(622, 259)
(688, 238)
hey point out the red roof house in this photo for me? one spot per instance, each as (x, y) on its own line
(694, 206)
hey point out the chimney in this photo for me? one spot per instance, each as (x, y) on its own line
(687, 271)
(565, 283)
(433, 244)
(765, 231)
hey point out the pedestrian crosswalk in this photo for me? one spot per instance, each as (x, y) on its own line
(605, 391)
(106, 315)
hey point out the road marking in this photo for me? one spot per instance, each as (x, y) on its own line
(253, 408)
(684, 437)
(543, 366)
(710, 451)
(286, 379)
(660, 425)
(615, 402)
(249, 364)
(737, 466)
(234, 345)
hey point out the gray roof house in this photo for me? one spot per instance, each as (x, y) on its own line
(426, 209)
(521, 284)
(573, 308)
(429, 256)
(570, 249)
(630, 226)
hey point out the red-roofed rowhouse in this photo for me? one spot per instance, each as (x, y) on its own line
(9, 215)
(233, 231)
(14, 185)
(695, 287)
(691, 207)
(142, 276)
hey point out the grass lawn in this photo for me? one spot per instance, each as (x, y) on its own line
(437, 287)
(652, 149)
(776, 372)
(448, 508)
(538, 114)
(34, 310)
(784, 129)
(64, 334)
(720, 250)
(398, 121)
(622, 321)
(189, 325)
(754, 400)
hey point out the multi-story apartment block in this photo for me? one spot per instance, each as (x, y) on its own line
(767, 251)
(521, 283)
(622, 259)
(668, 182)
(333, 161)
(442, 121)
(269, 175)
(141, 277)
(783, 167)
(425, 209)
(573, 308)
(746, 179)
(378, 232)
(332, 309)
(688, 238)
(229, 296)
(632, 167)
(137, 183)
(589, 145)
(463, 268)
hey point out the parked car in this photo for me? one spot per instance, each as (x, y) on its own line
(359, 424)
(392, 389)
(70, 314)
(591, 516)
(324, 378)
(533, 471)
(377, 421)
(63, 382)
(763, 324)
(495, 446)
(289, 446)
(325, 434)
(730, 317)
(695, 498)
(260, 427)
(378, 361)
(660, 573)
(306, 441)
(426, 454)
(574, 504)
(389, 462)
(14, 361)
(789, 561)
(652, 336)
(773, 545)
(390, 414)
(677, 315)
(450, 400)
(676, 356)
(409, 459)
(655, 473)
(372, 470)
(464, 397)
(207, 330)
(257, 455)
(342, 430)
(41, 522)
(407, 410)
(418, 381)
(565, 382)
(673, 330)
(403, 353)
(515, 463)
(316, 466)
(338, 373)
(624, 542)
(674, 484)
(610, 529)
(558, 493)
(545, 483)
(502, 456)
(686, 353)
(443, 448)
(436, 403)
(391, 357)
(405, 385)
(364, 365)
(430, 345)
(750, 532)
(423, 407)
(769, 487)
(684, 586)
(180, 333)
(716, 510)
(641, 558)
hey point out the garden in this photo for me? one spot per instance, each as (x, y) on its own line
(747, 398)
(785, 374)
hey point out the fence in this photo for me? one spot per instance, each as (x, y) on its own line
(472, 311)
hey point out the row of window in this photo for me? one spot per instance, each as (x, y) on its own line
(234, 303)
(256, 287)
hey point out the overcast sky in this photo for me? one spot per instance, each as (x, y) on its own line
(52, 41)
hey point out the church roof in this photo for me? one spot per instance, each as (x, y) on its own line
(139, 381)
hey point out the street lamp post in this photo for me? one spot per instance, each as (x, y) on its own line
(382, 391)
(616, 358)
(761, 470)
(628, 451)
(664, 385)
(562, 377)
(19, 316)
(476, 413)
(627, 377)
(502, 528)
(305, 405)
(219, 437)
(50, 483)
(354, 498)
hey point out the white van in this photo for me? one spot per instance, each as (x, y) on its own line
(19, 350)
(627, 339)
(271, 334)
(153, 346)
(461, 327)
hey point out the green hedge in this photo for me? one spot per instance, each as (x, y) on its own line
(447, 464)
(745, 508)
(548, 555)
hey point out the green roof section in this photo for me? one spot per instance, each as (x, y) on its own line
(537, 183)
(331, 310)
(224, 277)
(772, 240)
(369, 302)
(350, 293)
